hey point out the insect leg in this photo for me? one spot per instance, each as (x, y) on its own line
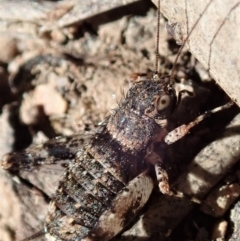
(123, 209)
(182, 130)
(162, 178)
(164, 188)
(57, 150)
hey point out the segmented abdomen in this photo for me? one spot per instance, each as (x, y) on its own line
(88, 187)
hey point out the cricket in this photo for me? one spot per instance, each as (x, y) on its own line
(111, 172)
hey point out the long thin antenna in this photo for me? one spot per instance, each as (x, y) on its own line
(157, 43)
(180, 50)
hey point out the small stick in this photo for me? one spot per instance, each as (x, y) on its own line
(36, 235)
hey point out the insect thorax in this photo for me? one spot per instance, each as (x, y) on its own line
(133, 124)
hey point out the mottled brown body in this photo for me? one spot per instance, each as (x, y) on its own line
(109, 167)
(105, 166)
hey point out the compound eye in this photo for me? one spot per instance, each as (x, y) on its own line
(163, 102)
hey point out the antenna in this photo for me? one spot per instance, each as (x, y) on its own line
(184, 42)
(157, 43)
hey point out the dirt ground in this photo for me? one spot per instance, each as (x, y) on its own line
(70, 79)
